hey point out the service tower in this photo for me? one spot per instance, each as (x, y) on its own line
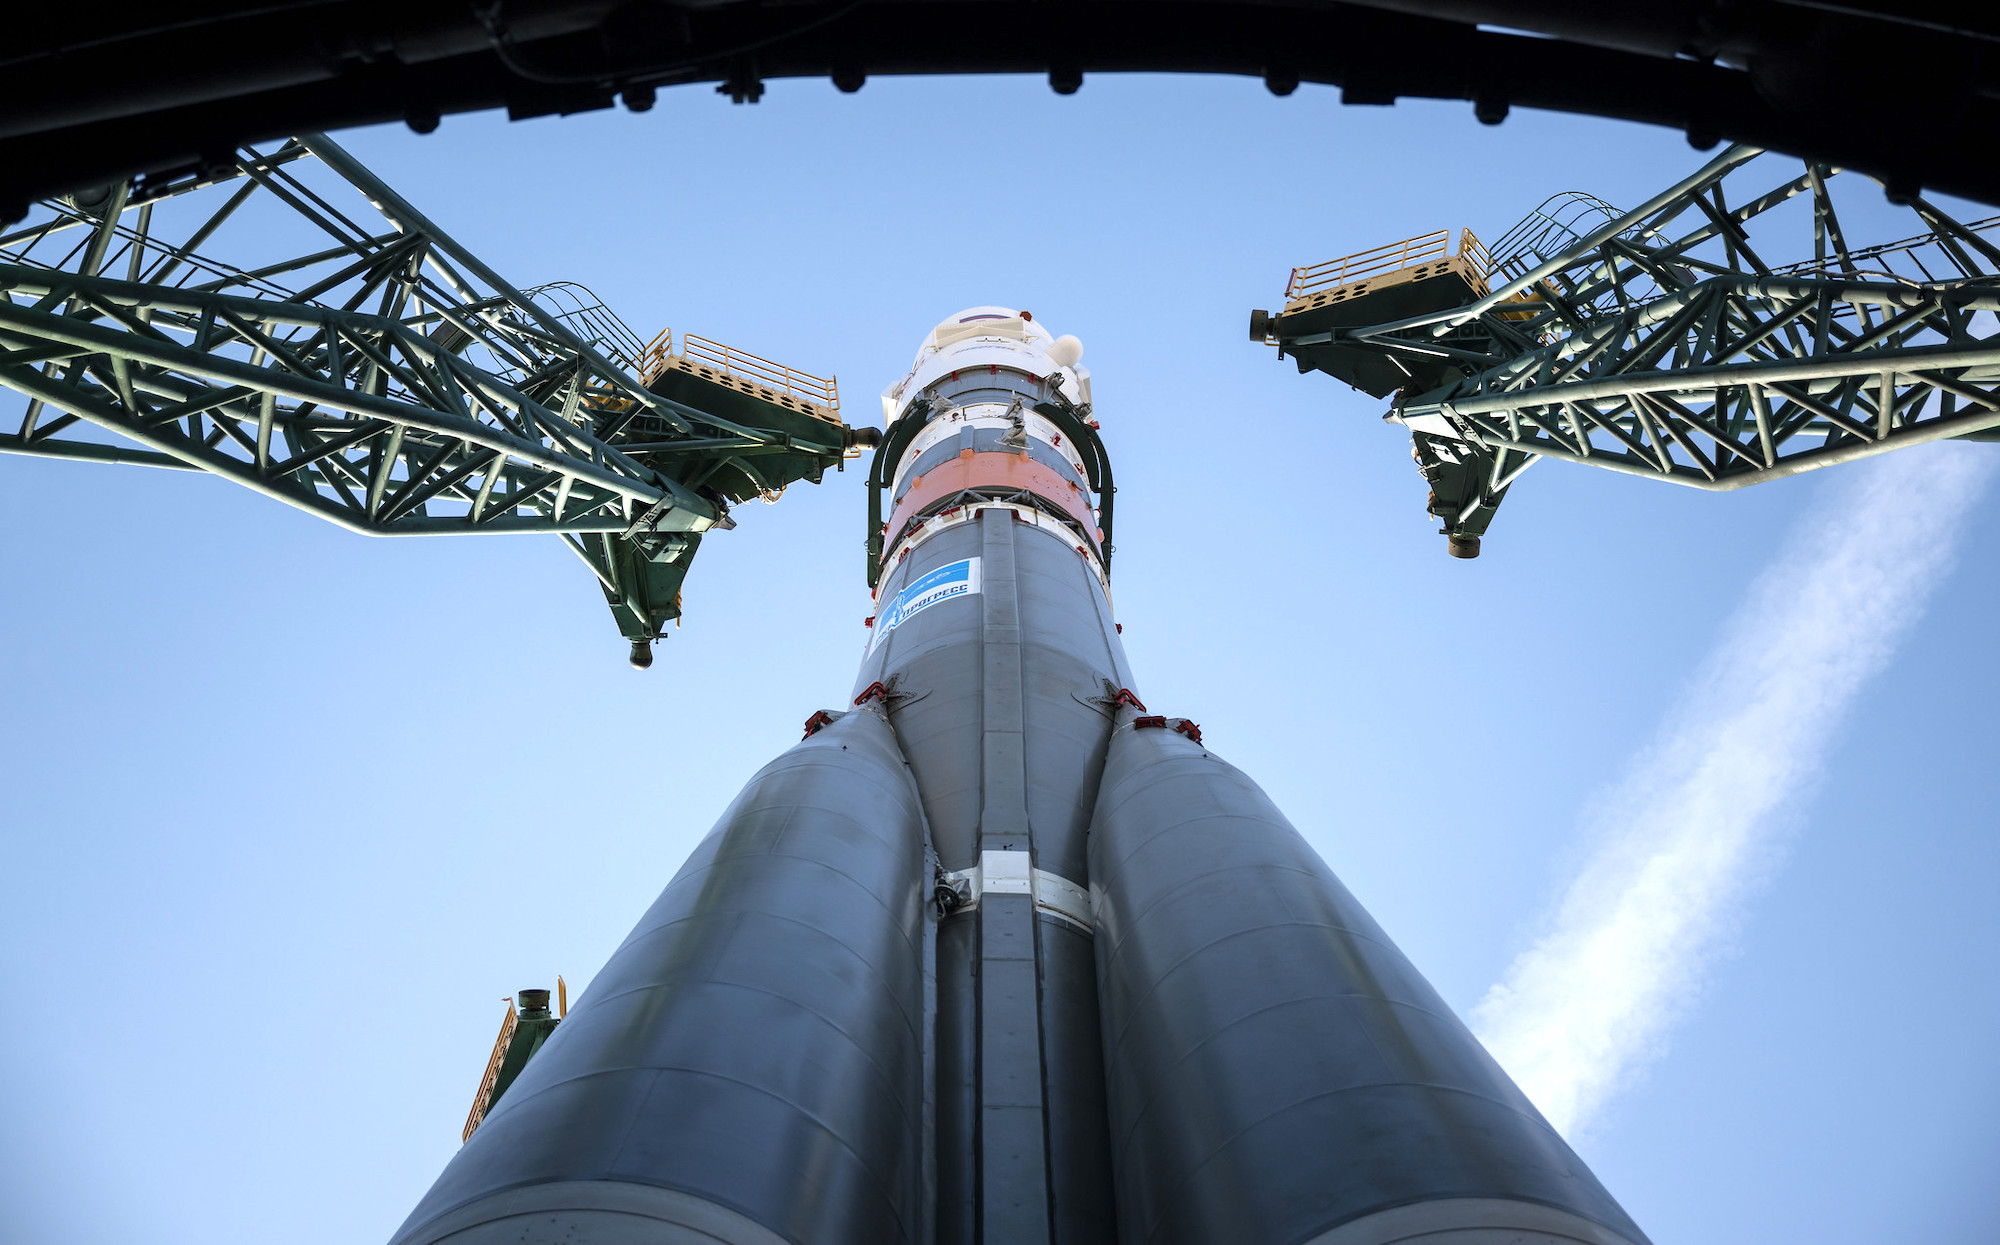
(996, 953)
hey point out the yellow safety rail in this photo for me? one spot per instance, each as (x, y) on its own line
(1474, 253)
(1364, 264)
(653, 359)
(1413, 259)
(1471, 261)
(486, 1082)
(748, 369)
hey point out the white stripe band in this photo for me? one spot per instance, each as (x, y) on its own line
(1013, 873)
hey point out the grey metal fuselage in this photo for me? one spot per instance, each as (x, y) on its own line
(1003, 705)
(997, 956)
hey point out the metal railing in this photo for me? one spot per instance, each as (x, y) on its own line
(486, 1083)
(1556, 225)
(1358, 267)
(739, 365)
(579, 307)
(1949, 262)
(1395, 257)
(1474, 254)
(653, 358)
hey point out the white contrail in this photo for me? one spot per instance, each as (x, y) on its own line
(1683, 832)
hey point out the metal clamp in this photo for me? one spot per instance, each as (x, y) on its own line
(1013, 873)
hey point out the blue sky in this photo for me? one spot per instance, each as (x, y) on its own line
(288, 811)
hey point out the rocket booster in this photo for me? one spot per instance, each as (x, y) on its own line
(1002, 696)
(998, 955)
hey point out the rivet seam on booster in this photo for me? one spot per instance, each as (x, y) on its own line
(1013, 873)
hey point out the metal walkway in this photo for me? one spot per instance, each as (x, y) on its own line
(1725, 332)
(291, 324)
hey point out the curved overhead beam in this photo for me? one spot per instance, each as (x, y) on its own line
(1909, 93)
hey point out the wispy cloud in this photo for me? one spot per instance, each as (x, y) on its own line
(1681, 835)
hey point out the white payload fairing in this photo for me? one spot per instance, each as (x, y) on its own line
(996, 954)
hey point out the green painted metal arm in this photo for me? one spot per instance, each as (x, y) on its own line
(1668, 343)
(377, 374)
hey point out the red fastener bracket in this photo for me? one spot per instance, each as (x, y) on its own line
(872, 692)
(817, 723)
(1125, 697)
(1185, 727)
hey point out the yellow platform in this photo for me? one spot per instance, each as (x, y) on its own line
(751, 375)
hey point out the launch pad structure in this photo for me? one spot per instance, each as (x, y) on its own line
(378, 374)
(1908, 92)
(997, 952)
(1723, 333)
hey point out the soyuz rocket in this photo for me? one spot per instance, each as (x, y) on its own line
(998, 953)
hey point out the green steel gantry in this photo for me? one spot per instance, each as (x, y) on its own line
(288, 322)
(1725, 332)
(351, 359)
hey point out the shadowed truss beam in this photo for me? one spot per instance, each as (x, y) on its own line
(1730, 330)
(291, 324)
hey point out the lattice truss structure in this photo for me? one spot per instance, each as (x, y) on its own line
(1733, 329)
(288, 322)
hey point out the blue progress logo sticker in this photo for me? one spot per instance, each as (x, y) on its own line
(954, 579)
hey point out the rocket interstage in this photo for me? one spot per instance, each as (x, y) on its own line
(981, 960)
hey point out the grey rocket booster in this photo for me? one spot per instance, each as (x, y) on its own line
(996, 954)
